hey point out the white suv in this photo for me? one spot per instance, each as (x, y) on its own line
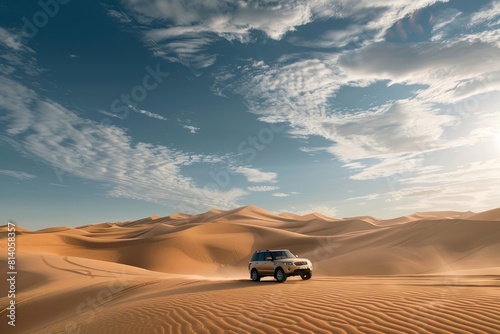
(279, 263)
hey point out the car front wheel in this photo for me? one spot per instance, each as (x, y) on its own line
(280, 275)
(305, 276)
(254, 275)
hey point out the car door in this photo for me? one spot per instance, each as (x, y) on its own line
(267, 266)
(259, 262)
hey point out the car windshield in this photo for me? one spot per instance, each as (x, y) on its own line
(283, 254)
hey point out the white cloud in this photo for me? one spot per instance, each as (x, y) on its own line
(393, 11)
(401, 128)
(444, 23)
(178, 11)
(354, 165)
(189, 50)
(147, 113)
(452, 70)
(389, 167)
(119, 16)
(313, 150)
(17, 174)
(107, 113)
(60, 138)
(370, 197)
(489, 15)
(191, 128)
(262, 188)
(16, 58)
(10, 40)
(468, 173)
(275, 19)
(414, 192)
(255, 175)
(231, 21)
(190, 26)
(473, 185)
(292, 193)
(296, 93)
(281, 195)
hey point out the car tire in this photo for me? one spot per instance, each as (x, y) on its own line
(306, 276)
(280, 276)
(254, 275)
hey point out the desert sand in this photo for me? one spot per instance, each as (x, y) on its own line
(429, 272)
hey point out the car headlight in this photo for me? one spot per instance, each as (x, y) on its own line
(288, 263)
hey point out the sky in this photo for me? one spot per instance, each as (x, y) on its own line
(119, 110)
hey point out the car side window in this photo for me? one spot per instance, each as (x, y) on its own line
(279, 254)
(254, 257)
(267, 254)
(261, 256)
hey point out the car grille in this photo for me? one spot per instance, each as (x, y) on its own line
(300, 263)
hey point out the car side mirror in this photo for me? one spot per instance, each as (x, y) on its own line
(269, 258)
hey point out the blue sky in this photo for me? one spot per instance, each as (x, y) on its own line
(124, 109)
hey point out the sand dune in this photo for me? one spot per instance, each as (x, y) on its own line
(421, 273)
(493, 215)
(210, 242)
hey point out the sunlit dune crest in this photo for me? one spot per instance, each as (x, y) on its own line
(493, 215)
(187, 273)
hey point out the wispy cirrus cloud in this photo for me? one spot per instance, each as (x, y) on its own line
(119, 16)
(16, 58)
(10, 40)
(281, 194)
(262, 188)
(17, 174)
(60, 138)
(467, 185)
(473, 184)
(489, 15)
(147, 113)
